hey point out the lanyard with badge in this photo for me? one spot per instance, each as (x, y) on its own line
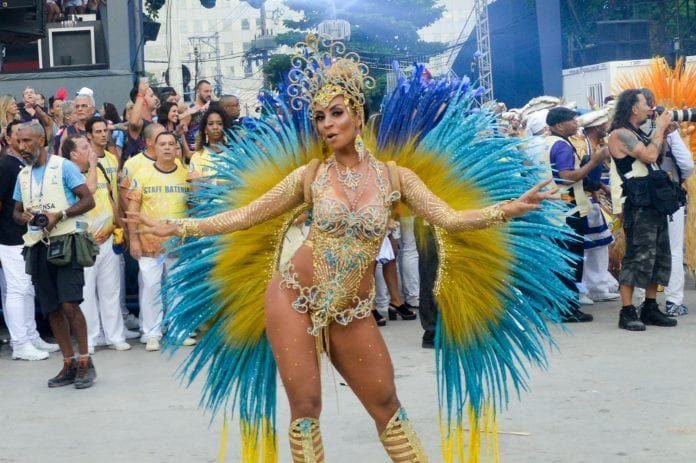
(40, 220)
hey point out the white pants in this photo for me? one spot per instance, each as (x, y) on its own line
(152, 271)
(122, 293)
(18, 303)
(408, 263)
(382, 296)
(102, 297)
(674, 291)
(595, 273)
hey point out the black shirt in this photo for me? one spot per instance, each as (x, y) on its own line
(10, 232)
(24, 114)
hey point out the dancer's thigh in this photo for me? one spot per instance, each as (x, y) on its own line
(294, 349)
(360, 355)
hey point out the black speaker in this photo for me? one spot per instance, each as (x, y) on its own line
(628, 30)
(22, 20)
(618, 40)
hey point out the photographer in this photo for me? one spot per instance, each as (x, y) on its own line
(570, 169)
(18, 310)
(51, 197)
(647, 261)
(677, 161)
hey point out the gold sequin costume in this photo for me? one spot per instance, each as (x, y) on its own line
(344, 242)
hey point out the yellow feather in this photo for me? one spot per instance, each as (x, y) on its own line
(479, 260)
(253, 252)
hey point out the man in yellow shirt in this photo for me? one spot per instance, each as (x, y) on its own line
(102, 283)
(134, 163)
(98, 136)
(158, 190)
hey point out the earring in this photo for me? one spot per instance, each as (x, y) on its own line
(360, 147)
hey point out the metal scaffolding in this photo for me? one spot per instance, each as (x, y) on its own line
(483, 43)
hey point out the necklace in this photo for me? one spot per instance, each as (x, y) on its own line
(350, 178)
(353, 196)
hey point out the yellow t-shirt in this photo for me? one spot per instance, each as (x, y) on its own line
(162, 195)
(201, 165)
(110, 164)
(101, 217)
(131, 166)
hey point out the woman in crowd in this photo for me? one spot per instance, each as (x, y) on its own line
(109, 112)
(8, 113)
(210, 139)
(168, 116)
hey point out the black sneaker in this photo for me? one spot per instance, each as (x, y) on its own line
(577, 316)
(85, 375)
(628, 320)
(66, 376)
(650, 314)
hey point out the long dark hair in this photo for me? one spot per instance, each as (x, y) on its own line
(624, 108)
(202, 138)
(163, 113)
(111, 113)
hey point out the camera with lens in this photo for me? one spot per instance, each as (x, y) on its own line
(39, 221)
(679, 115)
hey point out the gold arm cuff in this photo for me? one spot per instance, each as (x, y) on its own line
(493, 215)
(187, 227)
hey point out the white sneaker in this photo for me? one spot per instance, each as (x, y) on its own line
(152, 345)
(100, 341)
(131, 322)
(584, 300)
(601, 297)
(120, 346)
(128, 334)
(143, 339)
(29, 352)
(45, 346)
(189, 342)
(90, 350)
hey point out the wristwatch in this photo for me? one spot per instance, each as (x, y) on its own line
(64, 215)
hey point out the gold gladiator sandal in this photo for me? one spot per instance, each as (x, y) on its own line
(305, 441)
(400, 440)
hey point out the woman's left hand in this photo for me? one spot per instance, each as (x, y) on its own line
(530, 201)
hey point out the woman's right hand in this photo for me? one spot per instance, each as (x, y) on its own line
(151, 226)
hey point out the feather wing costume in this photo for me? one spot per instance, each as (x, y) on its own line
(497, 288)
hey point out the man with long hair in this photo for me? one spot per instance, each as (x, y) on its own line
(647, 262)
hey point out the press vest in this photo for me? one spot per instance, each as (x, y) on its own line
(581, 201)
(638, 169)
(48, 196)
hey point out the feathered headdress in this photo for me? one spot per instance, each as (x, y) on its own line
(322, 69)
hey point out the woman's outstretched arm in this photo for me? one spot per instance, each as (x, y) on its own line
(433, 209)
(283, 197)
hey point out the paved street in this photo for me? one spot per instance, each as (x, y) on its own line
(609, 396)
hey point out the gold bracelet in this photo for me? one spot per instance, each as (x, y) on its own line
(187, 227)
(191, 227)
(494, 214)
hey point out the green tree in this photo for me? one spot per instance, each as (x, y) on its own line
(381, 31)
(275, 69)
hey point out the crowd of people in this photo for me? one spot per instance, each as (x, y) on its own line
(149, 157)
(142, 160)
(57, 10)
(621, 164)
